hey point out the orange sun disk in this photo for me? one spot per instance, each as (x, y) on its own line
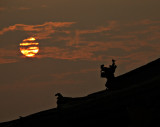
(29, 47)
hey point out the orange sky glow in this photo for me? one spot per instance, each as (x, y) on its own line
(58, 46)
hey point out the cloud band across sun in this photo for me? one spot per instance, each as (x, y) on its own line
(29, 47)
(62, 40)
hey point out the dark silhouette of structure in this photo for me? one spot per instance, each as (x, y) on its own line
(108, 72)
(61, 100)
(134, 102)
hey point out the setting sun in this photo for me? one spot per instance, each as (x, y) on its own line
(29, 47)
(30, 39)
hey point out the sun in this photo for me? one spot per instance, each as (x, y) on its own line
(29, 47)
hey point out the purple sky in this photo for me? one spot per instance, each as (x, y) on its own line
(75, 38)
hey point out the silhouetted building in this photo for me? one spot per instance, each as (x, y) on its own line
(61, 100)
(108, 72)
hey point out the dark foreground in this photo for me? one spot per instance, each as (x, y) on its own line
(132, 102)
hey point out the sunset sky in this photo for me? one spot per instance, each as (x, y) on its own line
(75, 37)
